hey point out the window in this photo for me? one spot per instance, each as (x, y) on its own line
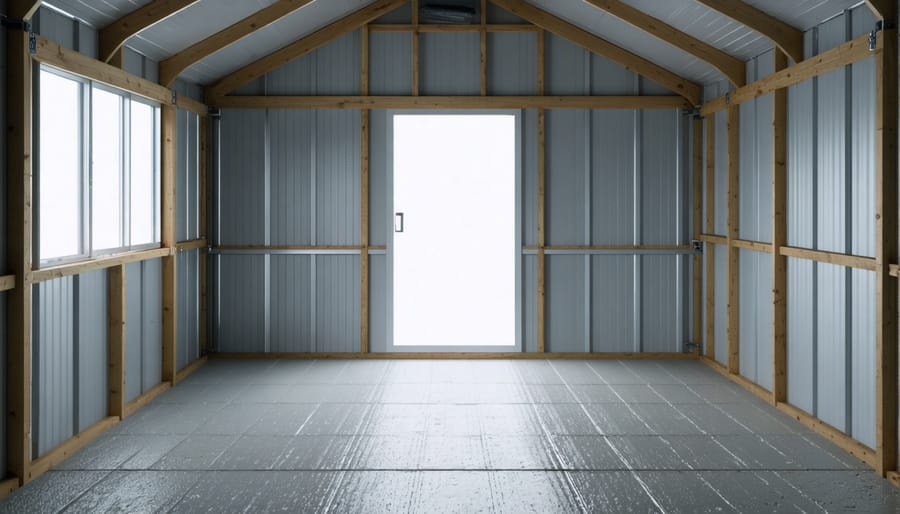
(105, 203)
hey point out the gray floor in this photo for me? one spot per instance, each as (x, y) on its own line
(458, 436)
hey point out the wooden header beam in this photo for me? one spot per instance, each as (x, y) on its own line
(114, 35)
(600, 46)
(450, 102)
(170, 68)
(850, 52)
(301, 47)
(733, 69)
(789, 39)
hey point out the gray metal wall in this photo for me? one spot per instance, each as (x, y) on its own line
(292, 178)
(831, 340)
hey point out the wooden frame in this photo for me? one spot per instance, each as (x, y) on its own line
(600, 46)
(76, 268)
(169, 262)
(449, 102)
(696, 224)
(114, 35)
(734, 296)
(787, 38)
(710, 340)
(437, 27)
(779, 236)
(116, 341)
(456, 355)
(733, 69)
(300, 47)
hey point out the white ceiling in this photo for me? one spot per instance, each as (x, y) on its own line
(209, 16)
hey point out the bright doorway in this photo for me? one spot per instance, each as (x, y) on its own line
(454, 257)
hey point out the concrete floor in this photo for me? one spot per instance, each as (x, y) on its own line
(458, 436)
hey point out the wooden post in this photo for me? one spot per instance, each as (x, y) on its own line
(19, 215)
(710, 348)
(364, 201)
(116, 341)
(204, 234)
(169, 273)
(734, 315)
(886, 251)
(483, 34)
(541, 171)
(696, 223)
(415, 47)
(779, 237)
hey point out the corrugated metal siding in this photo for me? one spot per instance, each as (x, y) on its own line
(566, 154)
(291, 303)
(151, 324)
(242, 208)
(612, 303)
(529, 303)
(612, 179)
(134, 337)
(450, 63)
(241, 326)
(662, 192)
(92, 348)
(291, 140)
(53, 379)
(565, 303)
(513, 68)
(721, 303)
(659, 297)
(187, 348)
(801, 164)
(566, 67)
(337, 303)
(390, 63)
(378, 178)
(338, 65)
(337, 176)
(529, 200)
(862, 344)
(182, 195)
(831, 342)
(801, 345)
(378, 302)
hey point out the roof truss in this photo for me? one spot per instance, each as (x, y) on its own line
(733, 68)
(170, 68)
(600, 46)
(789, 39)
(113, 36)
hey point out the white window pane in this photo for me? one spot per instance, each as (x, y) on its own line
(59, 174)
(106, 179)
(143, 187)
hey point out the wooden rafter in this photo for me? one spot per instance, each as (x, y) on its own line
(170, 68)
(733, 68)
(302, 46)
(114, 35)
(786, 37)
(600, 46)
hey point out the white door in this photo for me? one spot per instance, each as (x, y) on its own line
(454, 242)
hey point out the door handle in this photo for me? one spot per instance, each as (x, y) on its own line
(398, 222)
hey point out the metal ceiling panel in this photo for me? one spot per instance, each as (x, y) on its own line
(97, 13)
(803, 14)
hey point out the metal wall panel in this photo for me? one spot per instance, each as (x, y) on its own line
(659, 304)
(801, 346)
(241, 317)
(338, 66)
(292, 301)
(182, 195)
(191, 185)
(378, 302)
(151, 324)
(566, 158)
(337, 303)
(721, 303)
(565, 306)
(53, 379)
(612, 303)
(721, 162)
(612, 177)
(756, 317)
(529, 200)
(862, 342)
(242, 149)
(831, 169)
(662, 192)
(529, 303)
(512, 63)
(801, 158)
(862, 224)
(449, 63)
(832, 347)
(390, 63)
(337, 177)
(609, 78)
(134, 333)
(92, 347)
(566, 67)
(291, 140)
(297, 77)
(188, 306)
(378, 178)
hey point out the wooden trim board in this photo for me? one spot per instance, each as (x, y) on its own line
(448, 102)
(453, 355)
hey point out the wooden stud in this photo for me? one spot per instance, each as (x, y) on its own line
(415, 47)
(602, 47)
(789, 39)
(114, 35)
(170, 68)
(853, 51)
(710, 340)
(19, 253)
(301, 47)
(541, 223)
(755, 246)
(7, 282)
(696, 223)
(734, 314)
(541, 43)
(839, 259)
(483, 35)
(449, 102)
(714, 239)
(733, 69)
(886, 246)
(364, 203)
(8, 486)
(169, 275)
(203, 217)
(779, 236)
(116, 341)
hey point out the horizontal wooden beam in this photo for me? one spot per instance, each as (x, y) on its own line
(76, 268)
(190, 368)
(69, 447)
(189, 104)
(756, 246)
(894, 270)
(170, 68)
(449, 102)
(734, 69)
(7, 282)
(840, 259)
(114, 35)
(194, 244)
(301, 47)
(7, 486)
(673, 248)
(853, 51)
(786, 37)
(714, 239)
(602, 47)
(455, 355)
(390, 27)
(58, 56)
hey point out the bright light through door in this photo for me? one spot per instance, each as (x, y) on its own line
(454, 245)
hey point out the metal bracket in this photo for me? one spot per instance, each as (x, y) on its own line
(728, 98)
(693, 112)
(697, 246)
(213, 113)
(691, 346)
(24, 26)
(174, 97)
(880, 26)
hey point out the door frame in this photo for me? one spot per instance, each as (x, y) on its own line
(391, 347)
